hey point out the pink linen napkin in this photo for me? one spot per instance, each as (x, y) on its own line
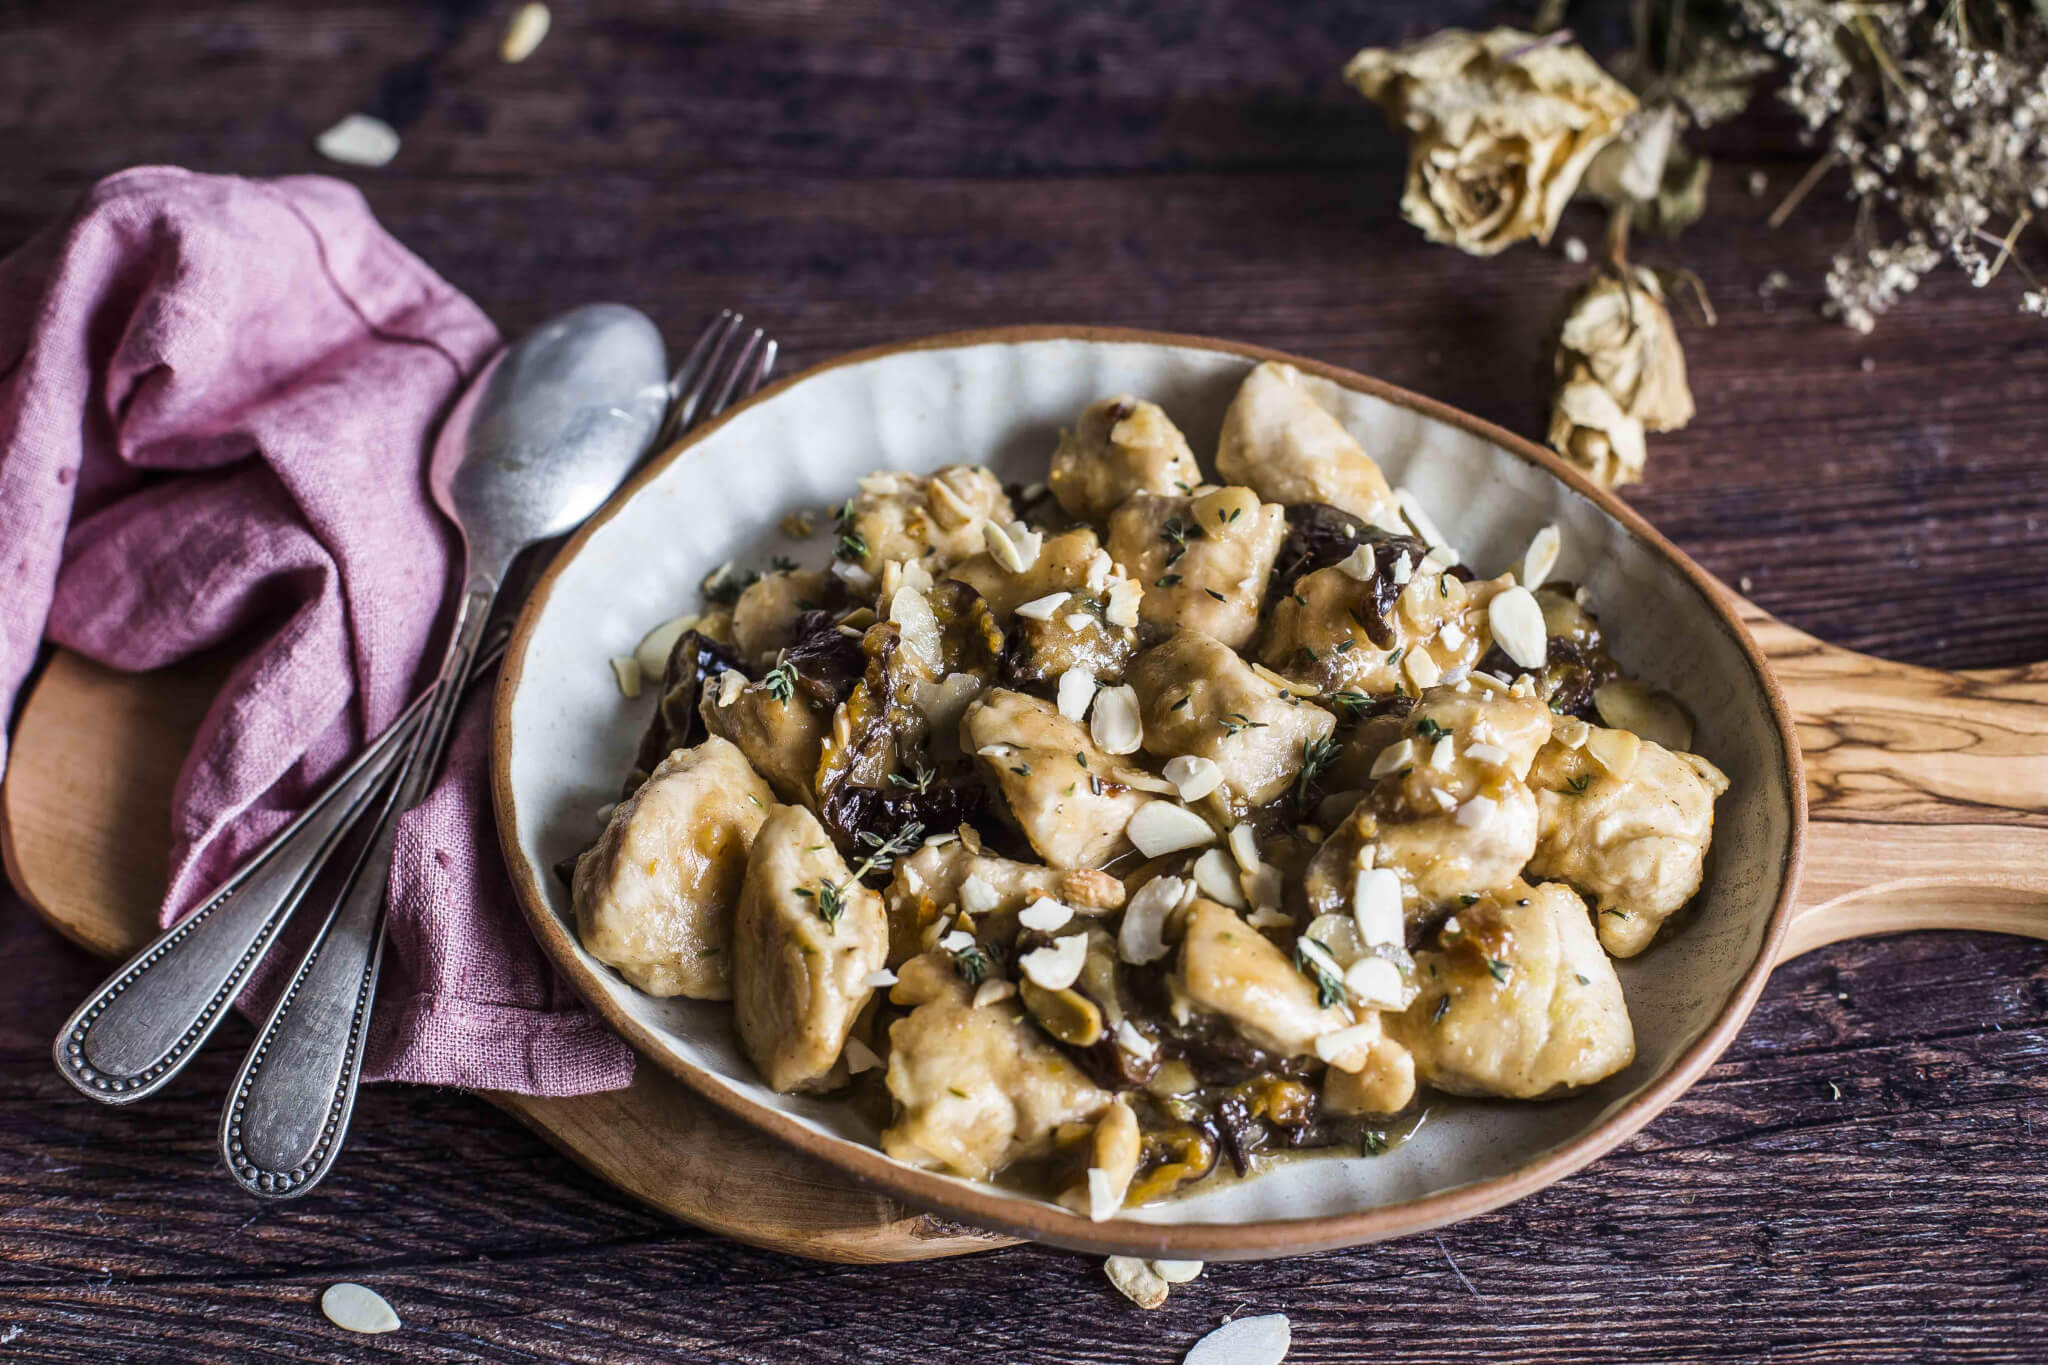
(216, 396)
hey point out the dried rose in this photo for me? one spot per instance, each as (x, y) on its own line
(1620, 372)
(1589, 428)
(1501, 126)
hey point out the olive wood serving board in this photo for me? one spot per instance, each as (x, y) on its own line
(1929, 810)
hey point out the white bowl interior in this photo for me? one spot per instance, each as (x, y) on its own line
(1002, 403)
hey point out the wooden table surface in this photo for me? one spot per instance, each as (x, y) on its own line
(1859, 1179)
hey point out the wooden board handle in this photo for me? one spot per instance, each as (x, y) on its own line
(1928, 792)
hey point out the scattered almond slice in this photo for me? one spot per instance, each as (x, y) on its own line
(1376, 906)
(1263, 1340)
(1059, 966)
(626, 672)
(1376, 983)
(1116, 726)
(1163, 827)
(656, 645)
(1076, 690)
(993, 991)
(1193, 776)
(859, 1057)
(1244, 846)
(1136, 1281)
(529, 25)
(1540, 558)
(1518, 627)
(1176, 1272)
(359, 1308)
(1411, 508)
(1216, 875)
(1045, 915)
(1477, 813)
(1394, 758)
(1132, 1041)
(1614, 750)
(1042, 608)
(1142, 936)
(878, 980)
(1122, 607)
(359, 140)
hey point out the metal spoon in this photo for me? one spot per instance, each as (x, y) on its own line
(541, 439)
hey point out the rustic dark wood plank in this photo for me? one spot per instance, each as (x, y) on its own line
(1862, 1177)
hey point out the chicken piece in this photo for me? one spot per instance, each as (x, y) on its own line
(975, 1088)
(1055, 782)
(804, 940)
(1070, 561)
(1449, 813)
(1281, 442)
(935, 520)
(781, 737)
(1203, 561)
(1384, 1085)
(1637, 844)
(1120, 446)
(764, 619)
(1198, 698)
(939, 880)
(1376, 637)
(1518, 1002)
(1232, 969)
(654, 896)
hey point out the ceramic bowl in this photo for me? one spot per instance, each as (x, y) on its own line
(564, 735)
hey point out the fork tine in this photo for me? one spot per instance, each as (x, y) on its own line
(744, 367)
(689, 395)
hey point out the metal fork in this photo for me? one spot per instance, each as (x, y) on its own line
(148, 1019)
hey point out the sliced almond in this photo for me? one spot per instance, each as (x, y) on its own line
(1115, 723)
(1132, 1041)
(1042, 608)
(977, 897)
(993, 991)
(1078, 621)
(1001, 548)
(1269, 917)
(1162, 827)
(1402, 570)
(1452, 635)
(359, 140)
(1045, 915)
(958, 941)
(879, 980)
(859, 1057)
(1395, 757)
(1057, 967)
(1124, 598)
(358, 1308)
(1614, 750)
(1656, 716)
(1540, 558)
(1570, 731)
(1076, 690)
(1193, 776)
(1376, 906)
(1320, 956)
(1376, 983)
(1477, 813)
(1176, 1272)
(1442, 754)
(731, 683)
(1141, 781)
(949, 509)
(1483, 752)
(1141, 938)
(529, 25)
(1411, 508)
(1360, 564)
(1101, 568)
(1104, 1198)
(1244, 846)
(913, 615)
(1136, 1281)
(1216, 875)
(626, 672)
(1518, 628)
(656, 645)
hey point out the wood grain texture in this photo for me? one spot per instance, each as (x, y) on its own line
(1858, 1180)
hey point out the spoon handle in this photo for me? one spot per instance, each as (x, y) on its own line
(287, 1115)
(130, 1037)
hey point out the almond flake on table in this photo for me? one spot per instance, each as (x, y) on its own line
(358, 1308)
(359, 140)
(529, 25)
(1263, 1340)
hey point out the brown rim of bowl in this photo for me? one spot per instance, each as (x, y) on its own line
(1049, 1223)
